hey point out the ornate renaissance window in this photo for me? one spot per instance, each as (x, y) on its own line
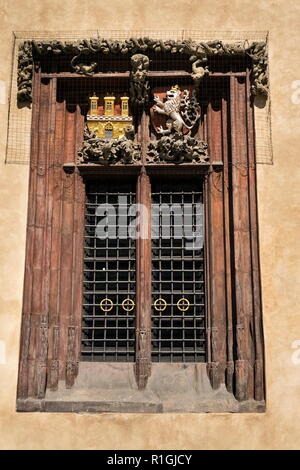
(142, 244)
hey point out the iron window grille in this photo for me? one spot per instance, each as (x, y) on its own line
(178, 307)
(108, 327)
(178, 315)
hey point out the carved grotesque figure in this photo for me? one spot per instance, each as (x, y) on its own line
(139, 86)
(198, 71)
(82, 68)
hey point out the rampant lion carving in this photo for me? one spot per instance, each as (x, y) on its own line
(109, 151)
(182, 109)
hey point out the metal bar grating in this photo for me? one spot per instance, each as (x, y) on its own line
(108, 329)
(178, 330)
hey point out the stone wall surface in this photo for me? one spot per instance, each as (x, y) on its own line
(278, 195)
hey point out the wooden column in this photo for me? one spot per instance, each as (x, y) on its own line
(216, 250)
(53, 272)
(143, 282)
(26, 365)
(37, 275)
(256, 281)
(54, 306)
(66, 250)
(74, 321)
(227, 242)
(243, 305)
(66, 258)
(143, 263)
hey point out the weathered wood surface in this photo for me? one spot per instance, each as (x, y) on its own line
(259, 388)
(27, 333)
(216, 250)
(54, 294)
(74, 328)
(143, 268)
(53, 270)
(243, 312)
(233, 297)
(155, 74)
(52, 305)
(227, 243)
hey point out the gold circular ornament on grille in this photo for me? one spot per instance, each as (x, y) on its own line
(160, 305)
(106, 305)
(128, 305)
(183, 304)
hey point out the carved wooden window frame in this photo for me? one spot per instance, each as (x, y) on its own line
(51, 319)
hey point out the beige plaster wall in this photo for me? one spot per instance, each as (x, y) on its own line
(278, 188)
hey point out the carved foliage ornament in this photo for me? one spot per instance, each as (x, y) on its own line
(177, 148)
(198, 52)
(109, 151)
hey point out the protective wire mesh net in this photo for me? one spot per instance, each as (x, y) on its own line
(19, 122)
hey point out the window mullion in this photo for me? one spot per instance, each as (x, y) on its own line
(143, 279)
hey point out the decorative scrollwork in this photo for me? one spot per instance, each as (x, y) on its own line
(177, 148)
(260, 77)
(25, 69)
(196, 51)
(109, 151)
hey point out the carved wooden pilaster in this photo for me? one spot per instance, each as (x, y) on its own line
(143, 293)
(66, 243)
(71, 363)
(26, 331)
(66, 250)
(234, 318)
(55, 250)
(227, 243)
(216, 251)
(45, 182)
(255, 263)
(53, 364)
(34, 352)
(74, 330)
(42, 351)
(242, 249)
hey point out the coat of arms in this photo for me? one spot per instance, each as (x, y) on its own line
(181, 109)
